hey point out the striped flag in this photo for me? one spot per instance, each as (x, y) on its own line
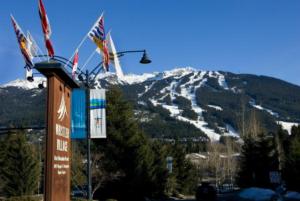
(46, 28)
(75, 64)
(98, 36)
(23, 43)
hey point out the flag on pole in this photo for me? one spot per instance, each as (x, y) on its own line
(23, 43)
(97, 113)
(31, 46)
(75, 63)
(113, 56)
(78, 114)
(98, 36)
(46, 28)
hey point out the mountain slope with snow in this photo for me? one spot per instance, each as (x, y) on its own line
(196, 103)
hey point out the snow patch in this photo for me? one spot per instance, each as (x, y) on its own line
(259, 107)
(221, 80)
(215, 107)
(287, 125)
(257, 194)
(173, 109)
(147, 88)
(231, 131)
(142, 103)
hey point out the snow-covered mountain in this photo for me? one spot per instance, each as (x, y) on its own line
(25, 84)
(197, 103)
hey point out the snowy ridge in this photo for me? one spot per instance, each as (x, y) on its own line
(188, 91)
(24, 84)
(133, 79)
(180, 85)
(178, 72)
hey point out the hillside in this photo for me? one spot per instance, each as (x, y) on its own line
(183, 102)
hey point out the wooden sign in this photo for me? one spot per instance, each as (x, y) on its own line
(58, 144)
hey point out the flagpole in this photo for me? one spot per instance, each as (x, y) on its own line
(38, 47)
(80, 44)
(89, 59)
(82, 41)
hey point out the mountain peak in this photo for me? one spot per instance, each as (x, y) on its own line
(178, 72)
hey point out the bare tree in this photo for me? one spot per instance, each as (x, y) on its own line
(215, 161)
(231, 161)
(254, 128)
(99, 174)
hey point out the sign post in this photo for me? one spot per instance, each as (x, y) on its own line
(58, 143)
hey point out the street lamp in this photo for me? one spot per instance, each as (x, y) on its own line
(145, 59)
(86, 77)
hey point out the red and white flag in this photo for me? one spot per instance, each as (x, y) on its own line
(46, 28)
(75, 64)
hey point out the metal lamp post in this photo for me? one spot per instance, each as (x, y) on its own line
(88, 79)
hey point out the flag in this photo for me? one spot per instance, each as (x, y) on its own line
(75, 64)
(23, 43)
(46, 28)
(114, 57)
(98, 36)
(97, 113)
(31, 46)
(78, 114)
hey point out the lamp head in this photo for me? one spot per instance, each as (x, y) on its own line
(145, 59)
(41, 85)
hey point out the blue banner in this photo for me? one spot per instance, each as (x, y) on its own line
(78, 122)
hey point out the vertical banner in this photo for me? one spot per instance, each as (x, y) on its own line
(78, 123)
(97, 113)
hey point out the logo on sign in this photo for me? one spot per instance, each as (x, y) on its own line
(62, 110)
(98, 121)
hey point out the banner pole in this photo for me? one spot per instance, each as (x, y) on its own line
(89, 175)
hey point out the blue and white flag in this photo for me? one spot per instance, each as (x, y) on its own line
(97, 113)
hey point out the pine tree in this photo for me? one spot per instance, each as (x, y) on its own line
(21, 168)
(292, 165)
(128, 153)
(258, 158)
(184, 172)
(2, 161)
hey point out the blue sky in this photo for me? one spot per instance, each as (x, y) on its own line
(240, 36)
